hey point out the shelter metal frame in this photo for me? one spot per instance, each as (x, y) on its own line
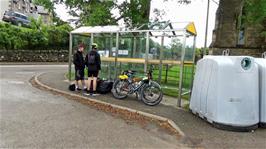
(188, 30)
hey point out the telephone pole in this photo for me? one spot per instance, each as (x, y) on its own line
(206, 30)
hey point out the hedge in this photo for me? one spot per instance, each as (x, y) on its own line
(36, 37)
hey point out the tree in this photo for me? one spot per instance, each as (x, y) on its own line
(46, 4)
(93, 12)
(135, 12)
(98, 12)
(255, 11)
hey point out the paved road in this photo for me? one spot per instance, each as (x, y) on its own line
(199, 133)
(33, 118)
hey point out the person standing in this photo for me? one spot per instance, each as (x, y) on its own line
(78, 61)
(93, 62)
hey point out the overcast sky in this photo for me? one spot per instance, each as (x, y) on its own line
(195, 12)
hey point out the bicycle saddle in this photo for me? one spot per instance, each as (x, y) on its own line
(130, 71)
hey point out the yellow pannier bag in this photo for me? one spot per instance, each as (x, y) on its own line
(123, 77)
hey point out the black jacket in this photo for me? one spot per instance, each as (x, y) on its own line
(97, 65)
(78, 60)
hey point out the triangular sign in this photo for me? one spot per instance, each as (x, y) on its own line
(191, 29)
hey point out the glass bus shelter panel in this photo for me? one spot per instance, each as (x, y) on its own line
(131, 54)
(106, 72)
(106, 44)
(169, 43)
(103, 43)
(171, 59)
(78, 39)
(125, 45)
(138, 45)
(154, 47)
(173, 48)
(189, 48)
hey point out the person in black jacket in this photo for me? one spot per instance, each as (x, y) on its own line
(93, 62)
(78, 61)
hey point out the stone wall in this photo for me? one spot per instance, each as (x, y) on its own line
(33, 56)
(226, 24)
(253, 37)
(226, 33)
(239, 51)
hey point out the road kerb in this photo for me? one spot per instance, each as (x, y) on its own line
(144, 114)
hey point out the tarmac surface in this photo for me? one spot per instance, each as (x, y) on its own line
(198, 132)
(32, 118)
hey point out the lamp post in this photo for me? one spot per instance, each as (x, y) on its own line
(206, 30)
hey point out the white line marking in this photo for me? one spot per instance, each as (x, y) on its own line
(25, 72)
(15, 82)
(16, 66)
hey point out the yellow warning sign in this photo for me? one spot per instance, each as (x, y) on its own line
(191, 28)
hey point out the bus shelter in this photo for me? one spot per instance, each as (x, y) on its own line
(144, 45)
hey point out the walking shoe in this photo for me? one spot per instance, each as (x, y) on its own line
(94, 93)
(87, 93)
(90, 93)
(78, 89)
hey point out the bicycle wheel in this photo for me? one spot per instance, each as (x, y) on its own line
(151, 94)
(120, 89)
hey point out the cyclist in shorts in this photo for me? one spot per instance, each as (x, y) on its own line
(93, 62)
(78, 61)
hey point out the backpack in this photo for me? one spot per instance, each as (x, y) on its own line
(91, 58)
(72, 87)
(104, 87)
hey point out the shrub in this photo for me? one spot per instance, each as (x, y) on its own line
(37, 37)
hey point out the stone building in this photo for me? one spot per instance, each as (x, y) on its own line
(26, 7)
(230, 33)
(4, 5)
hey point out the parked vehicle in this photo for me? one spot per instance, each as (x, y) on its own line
(16, 18)
(146, 89)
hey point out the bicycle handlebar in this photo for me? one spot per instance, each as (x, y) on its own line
(131, 72)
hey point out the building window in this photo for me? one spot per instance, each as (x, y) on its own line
(241, 37)
(240, 21)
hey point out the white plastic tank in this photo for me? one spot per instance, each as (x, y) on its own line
(225, 92)
(262, 89)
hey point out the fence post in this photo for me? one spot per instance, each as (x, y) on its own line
(134, 46)
(166, 73)
(184, 75)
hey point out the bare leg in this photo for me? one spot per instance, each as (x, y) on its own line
(83, 84)
(94, 83)
(89, 83)
(79, 84)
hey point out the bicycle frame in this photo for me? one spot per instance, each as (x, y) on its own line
(135, 89)
(129, 76)
(127, 83)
